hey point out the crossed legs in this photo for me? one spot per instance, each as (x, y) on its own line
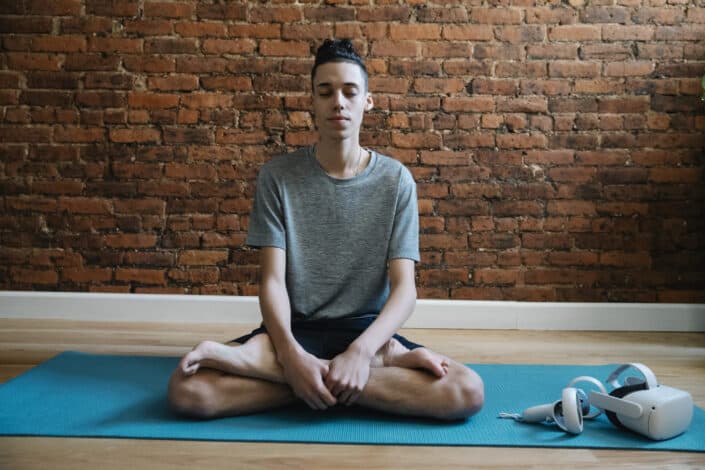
(216, 380)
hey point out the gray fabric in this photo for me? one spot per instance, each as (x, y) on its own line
(338, 234)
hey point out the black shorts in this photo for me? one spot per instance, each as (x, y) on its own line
(327, 338)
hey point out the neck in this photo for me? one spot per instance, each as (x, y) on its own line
(340, 158)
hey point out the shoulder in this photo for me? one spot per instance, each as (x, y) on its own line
(395, 169)
(283, 165)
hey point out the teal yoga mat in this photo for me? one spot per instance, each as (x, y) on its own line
(85, 395)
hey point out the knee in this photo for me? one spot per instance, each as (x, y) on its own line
(465, 395)
(191, 396)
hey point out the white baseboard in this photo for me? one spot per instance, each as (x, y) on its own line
(457, 314)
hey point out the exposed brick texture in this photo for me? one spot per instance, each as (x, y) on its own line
(558, 147)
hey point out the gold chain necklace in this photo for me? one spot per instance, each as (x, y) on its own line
(358, 164)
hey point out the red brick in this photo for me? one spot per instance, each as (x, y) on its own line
(468, 32)
(575, 33)
(414, 31)
(202, 257)
(552, 51)
(479, 104)
(571, 69)
(416, 140)
(149, 27)
(145, 63)
(25, 134)
(628, 69)
(552, 15)
(227, 11)
(24, 25)
(230, 46)
(622, 259)
(173, 83)
(448, 276)
(59, 43)
(134, 135)
(389, 85)
(496, 15)
(113, 7)
(85, 205)
(521, 140)
(439, 85)
(384, 13)
(170, 46)
(444, 157)
(141, 276)
(388, 48)
(443, 241)
(33, 276)
(676, 175)
(78, 134)
(561, 276)
(54, 8)
(443, 15)
(169, 9)
(276, 14)
(497, 276)
(627, 32)
(284, 48)
(502, 241)
(195, 29)
(87, 275)
(113, 44)
(152, 100)
(130, 240)
(29, 61)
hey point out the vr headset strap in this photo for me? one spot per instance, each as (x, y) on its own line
(618, 405)
(649, 376)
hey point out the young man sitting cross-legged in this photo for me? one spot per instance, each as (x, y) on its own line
(337, 225)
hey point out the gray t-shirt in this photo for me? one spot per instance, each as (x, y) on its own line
(338, 234)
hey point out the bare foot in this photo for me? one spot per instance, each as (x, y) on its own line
(394, 354)
(209, 354)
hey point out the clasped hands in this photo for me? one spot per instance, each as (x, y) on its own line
(322, 384)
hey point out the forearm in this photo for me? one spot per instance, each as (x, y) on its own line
(397, 310)
(276, 314)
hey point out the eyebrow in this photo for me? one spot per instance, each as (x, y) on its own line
(327, 84)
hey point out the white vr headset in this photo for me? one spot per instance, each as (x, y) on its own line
(640, 405)
(643, 406)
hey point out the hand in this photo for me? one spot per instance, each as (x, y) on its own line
(348, 374)
(304, 373)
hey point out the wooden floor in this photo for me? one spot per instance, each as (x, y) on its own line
(678, 359)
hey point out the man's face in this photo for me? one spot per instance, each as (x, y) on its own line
(339, 100)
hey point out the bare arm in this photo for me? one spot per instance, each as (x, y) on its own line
(274, 298)
(399, 307)
(350, 370)
(303, 371)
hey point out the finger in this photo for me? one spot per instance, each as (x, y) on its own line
(314, 402)
(330, 382)
(189, 368)
(328, 398)
(344, 397)
(353, 398)
(337, 389)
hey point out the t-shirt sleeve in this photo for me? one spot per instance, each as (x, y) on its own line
(267, 226)
(405, 231)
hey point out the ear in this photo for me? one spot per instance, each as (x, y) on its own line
(369, 103)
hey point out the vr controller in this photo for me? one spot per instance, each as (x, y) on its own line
(640, 405)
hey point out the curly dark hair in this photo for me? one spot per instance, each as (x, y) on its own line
(338, 50)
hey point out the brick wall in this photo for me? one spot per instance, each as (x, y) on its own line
(558, 146)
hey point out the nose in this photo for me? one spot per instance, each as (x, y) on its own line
(338, 99)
